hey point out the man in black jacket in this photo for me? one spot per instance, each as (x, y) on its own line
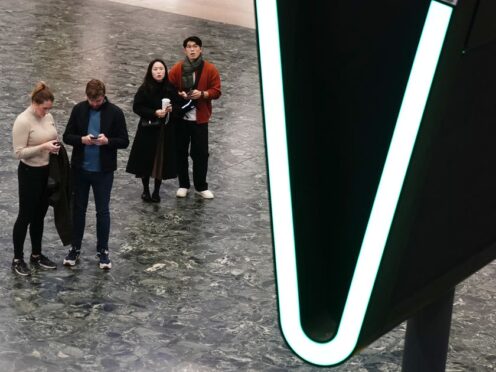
(96, 129)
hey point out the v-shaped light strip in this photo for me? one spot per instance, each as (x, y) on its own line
(390, 184)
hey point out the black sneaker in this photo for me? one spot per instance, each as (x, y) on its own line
(72, 257)
(43, 262)
(105, 260)
(20, 268)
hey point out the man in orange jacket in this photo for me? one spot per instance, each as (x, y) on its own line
(198, 81)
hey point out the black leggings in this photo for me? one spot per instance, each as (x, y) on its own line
(33, 206)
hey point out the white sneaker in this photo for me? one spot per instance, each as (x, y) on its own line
(182, 192)
(206, 194)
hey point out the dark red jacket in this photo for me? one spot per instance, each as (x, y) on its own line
(209, 82)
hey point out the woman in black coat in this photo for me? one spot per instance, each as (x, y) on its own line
(153, 153)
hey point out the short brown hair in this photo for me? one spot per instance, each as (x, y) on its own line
(95, 88)
(41, 93)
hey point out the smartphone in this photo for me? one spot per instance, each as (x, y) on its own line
(92, 137)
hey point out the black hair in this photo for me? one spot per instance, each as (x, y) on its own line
(149, 82)
(194, 39)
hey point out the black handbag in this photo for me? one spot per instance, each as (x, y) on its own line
(150, 123)
(155, 122)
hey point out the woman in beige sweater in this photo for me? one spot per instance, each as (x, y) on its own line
(34, 137)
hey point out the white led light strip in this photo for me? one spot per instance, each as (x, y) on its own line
(390, 184)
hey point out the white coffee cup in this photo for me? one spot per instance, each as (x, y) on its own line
(165, 103)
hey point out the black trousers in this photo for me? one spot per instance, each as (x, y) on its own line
(33, 206)
(189, 133)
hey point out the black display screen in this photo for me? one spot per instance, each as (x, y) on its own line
(345, 68)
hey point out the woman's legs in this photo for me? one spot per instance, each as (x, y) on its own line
(156, 190)
(33, 205)
(37, 224)
(155, 197)
(146, 182)
(146, 189)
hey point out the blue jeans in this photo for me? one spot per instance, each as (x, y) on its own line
(101, 183)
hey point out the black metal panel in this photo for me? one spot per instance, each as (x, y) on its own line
(444, 226)
(345, 68)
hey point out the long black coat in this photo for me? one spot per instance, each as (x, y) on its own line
(144, 148)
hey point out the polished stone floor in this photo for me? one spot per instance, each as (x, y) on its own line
(192, 288)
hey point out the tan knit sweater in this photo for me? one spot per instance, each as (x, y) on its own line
(28, 135)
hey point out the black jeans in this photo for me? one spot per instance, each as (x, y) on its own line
(33, 206)
(190, 133)
(101, 183)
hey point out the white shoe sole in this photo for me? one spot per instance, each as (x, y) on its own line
(106, 266)
(205, 197)
(181, 194)
(21, 274)
(69, 262)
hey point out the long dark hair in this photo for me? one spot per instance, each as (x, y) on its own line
(149, 83)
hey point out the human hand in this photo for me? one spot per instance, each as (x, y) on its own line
(52, 146)
(87, 140)
(183, 94)
(194, 94)
(160, 113)
(100, 140)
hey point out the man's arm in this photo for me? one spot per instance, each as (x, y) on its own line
(120, 137)
(71, 135)
(213, 90)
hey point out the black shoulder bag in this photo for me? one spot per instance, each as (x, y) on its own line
(191, 104)
(149, 123)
